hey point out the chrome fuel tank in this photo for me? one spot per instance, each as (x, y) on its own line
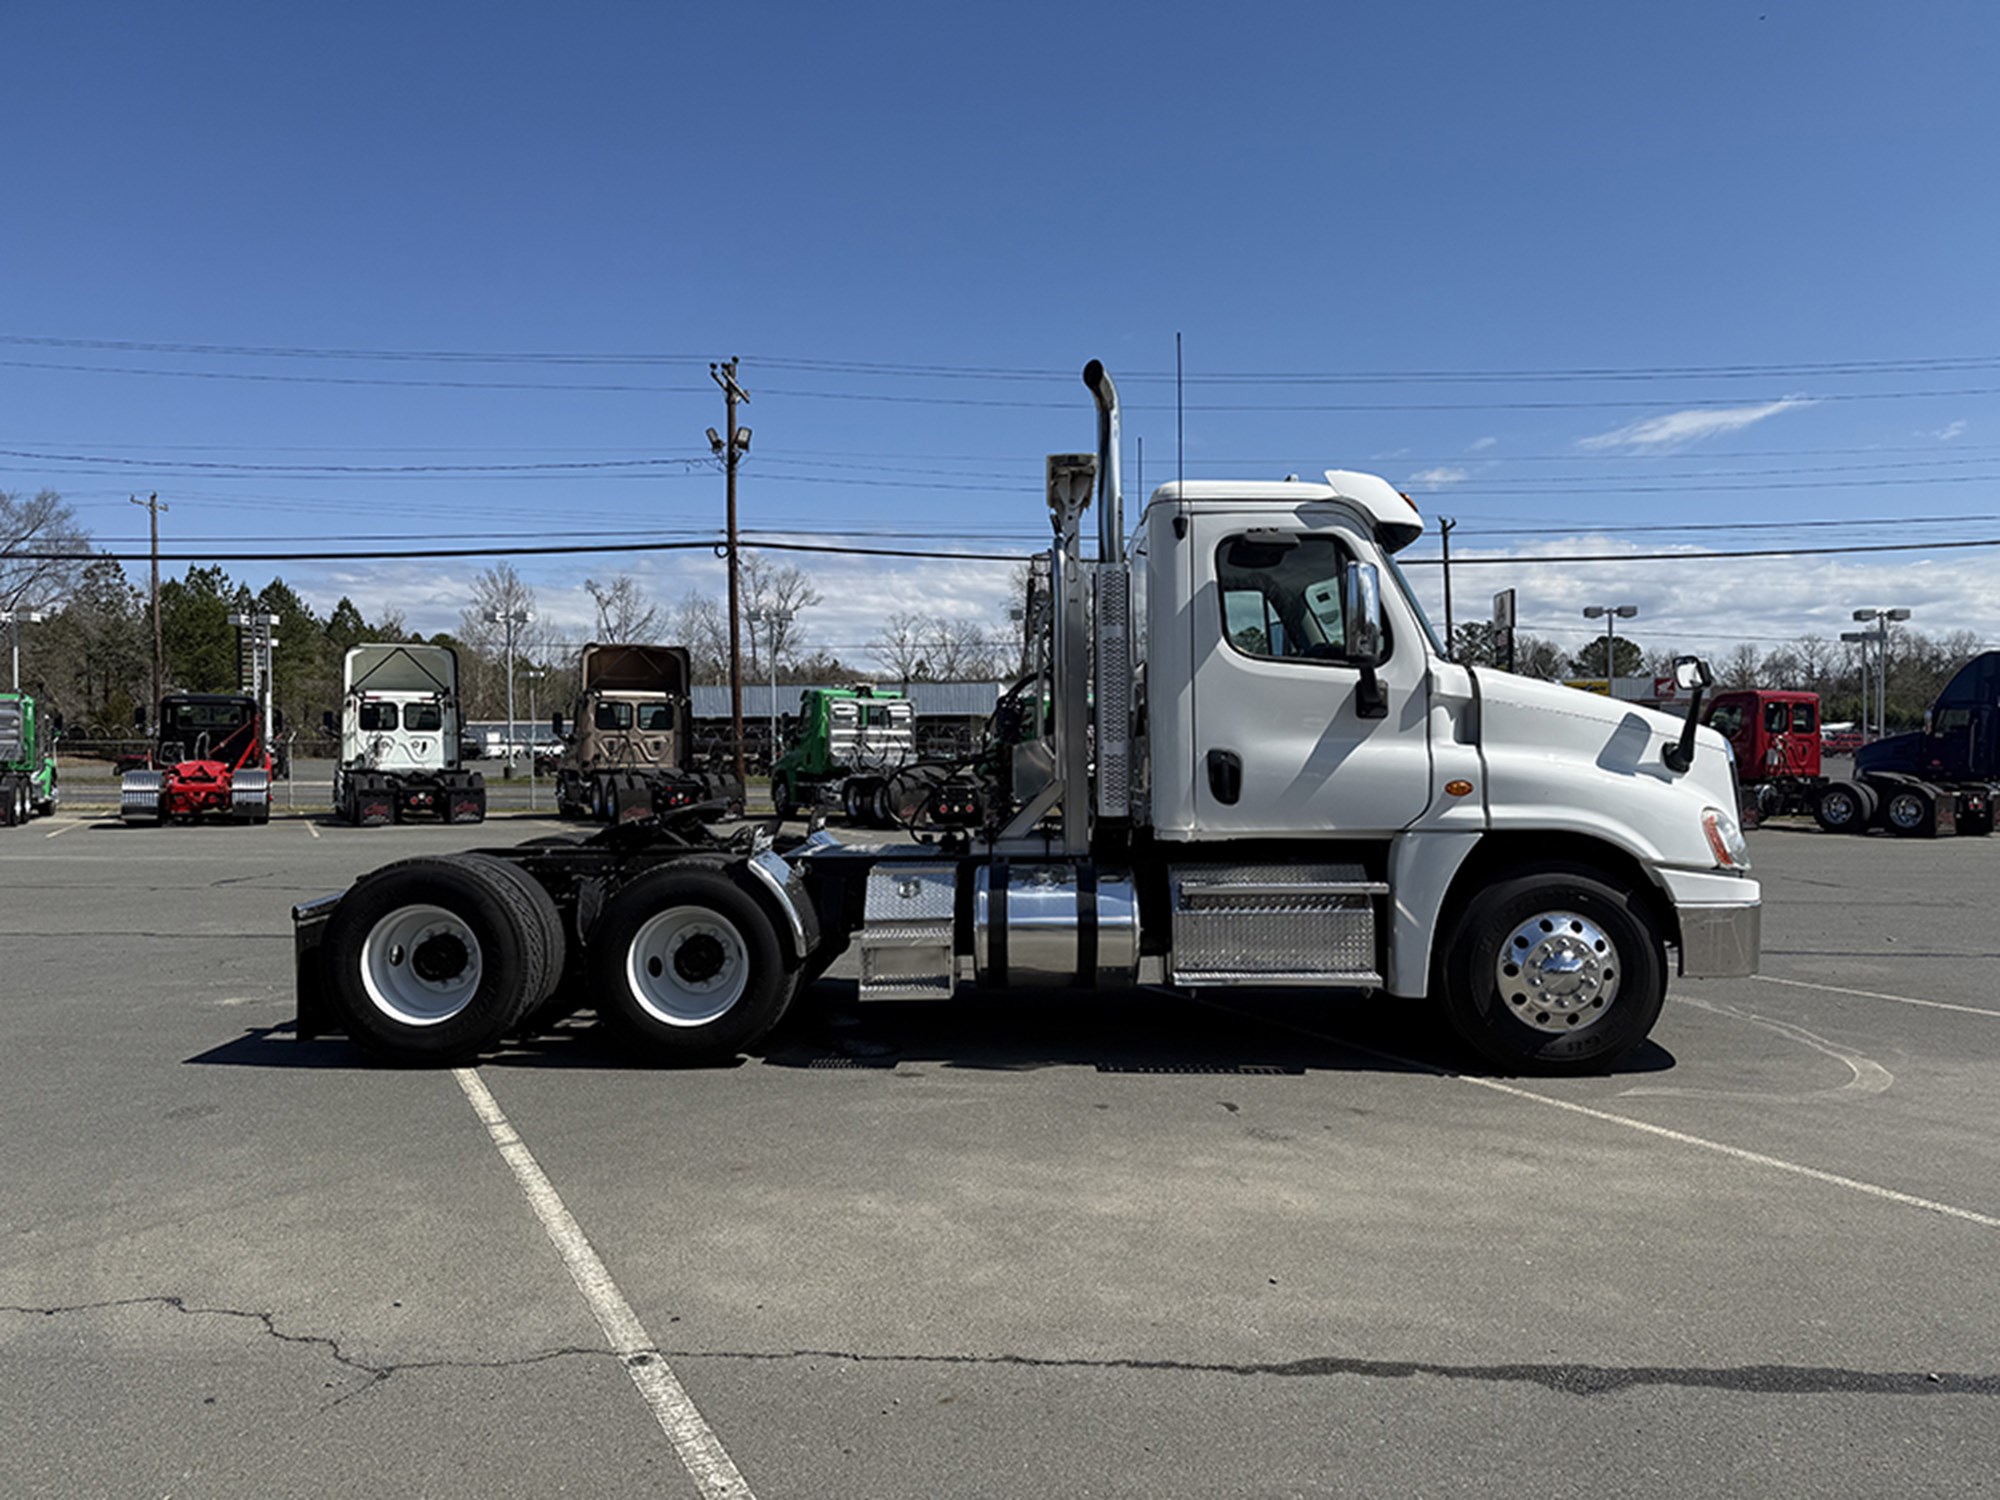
(1054, 924)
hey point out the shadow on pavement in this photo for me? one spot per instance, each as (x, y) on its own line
(1251, 1033)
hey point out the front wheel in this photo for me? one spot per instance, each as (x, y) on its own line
(687, 961)
(1553, 971)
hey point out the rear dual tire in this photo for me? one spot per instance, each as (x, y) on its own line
(687, 962)
(432, 960)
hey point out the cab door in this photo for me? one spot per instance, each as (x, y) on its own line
(1285, 740)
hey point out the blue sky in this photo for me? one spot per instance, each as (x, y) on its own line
(1555, 269)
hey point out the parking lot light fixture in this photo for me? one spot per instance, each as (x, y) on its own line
(1880, 635)
(1611, 614)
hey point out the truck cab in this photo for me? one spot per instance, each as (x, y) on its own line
(400, 730)
(627, 748)
(28, 786)
(1775, 734)
(209, 759)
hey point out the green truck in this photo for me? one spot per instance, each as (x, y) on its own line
(846, 746)
(27, 759)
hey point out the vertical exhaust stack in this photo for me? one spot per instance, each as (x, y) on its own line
(1113, 599)
(1110, 495)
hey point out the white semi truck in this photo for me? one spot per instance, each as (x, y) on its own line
(399, 739)
(1243, 762)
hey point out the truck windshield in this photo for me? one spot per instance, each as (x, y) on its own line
(1410, 598)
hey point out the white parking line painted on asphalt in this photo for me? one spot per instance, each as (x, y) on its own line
(312, 828)
(59, 831)
(1841, 989)
(696, 1444)
(1680, 1137)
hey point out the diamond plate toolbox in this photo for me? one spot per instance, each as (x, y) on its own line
(1274, 924)
(906, 944)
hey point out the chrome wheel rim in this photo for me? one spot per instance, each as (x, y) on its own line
(1906, 810)
(1558, 972)
(687, 966)
(421, 965)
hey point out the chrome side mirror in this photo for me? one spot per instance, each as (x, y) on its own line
(1361, 614)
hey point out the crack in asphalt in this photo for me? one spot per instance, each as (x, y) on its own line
(1583, 1380)
(375, 1373)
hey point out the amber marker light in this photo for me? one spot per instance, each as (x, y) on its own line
(1459, 788)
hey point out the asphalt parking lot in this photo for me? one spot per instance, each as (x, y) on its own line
(1148, 1246)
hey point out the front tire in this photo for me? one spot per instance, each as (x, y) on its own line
(687, 961)
(1553, 971)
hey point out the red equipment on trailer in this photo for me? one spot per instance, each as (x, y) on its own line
(210, 760)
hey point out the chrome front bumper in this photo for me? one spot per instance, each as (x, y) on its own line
(1721, 920)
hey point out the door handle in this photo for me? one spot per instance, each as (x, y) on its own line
(1225, 776)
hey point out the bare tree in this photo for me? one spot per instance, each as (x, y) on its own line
(43, 524)
(698, 623)
(781, 589)
(899, 644)
(1739, 669)
(497, 593)
(624, 613)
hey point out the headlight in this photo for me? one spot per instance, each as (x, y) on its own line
(1725, 839)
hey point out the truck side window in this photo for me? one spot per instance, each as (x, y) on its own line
(377, 718)
(1775, 718)
(656, 718)
(424, 718)
(1281, 595)
(614, 716)
(1803, 719)
(1727, 720)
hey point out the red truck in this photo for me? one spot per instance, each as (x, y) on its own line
(1775, 737)
(209, 760)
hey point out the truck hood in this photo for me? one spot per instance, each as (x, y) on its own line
(1560, 758)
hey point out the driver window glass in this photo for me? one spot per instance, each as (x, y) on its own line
(377, 718)
(614, 716)
(1950, 719)
(1727, 720)
(1775, 718)
(1281, 595)
(1803, 719)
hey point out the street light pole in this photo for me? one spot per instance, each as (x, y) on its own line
(533, 676)
(771, 617)
(1611, 614)
(1880, 635)
(14, 617)
(509, 618)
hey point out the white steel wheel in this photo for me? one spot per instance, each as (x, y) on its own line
(686, 962)
(687, 966)
(421, 965)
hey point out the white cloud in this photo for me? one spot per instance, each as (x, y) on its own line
(1679, 428)
(1949, 431)
(1480, 445)
(1709, 605)
(1438, 478)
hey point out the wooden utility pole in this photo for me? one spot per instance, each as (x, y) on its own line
(730, 448)
(152, 504)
